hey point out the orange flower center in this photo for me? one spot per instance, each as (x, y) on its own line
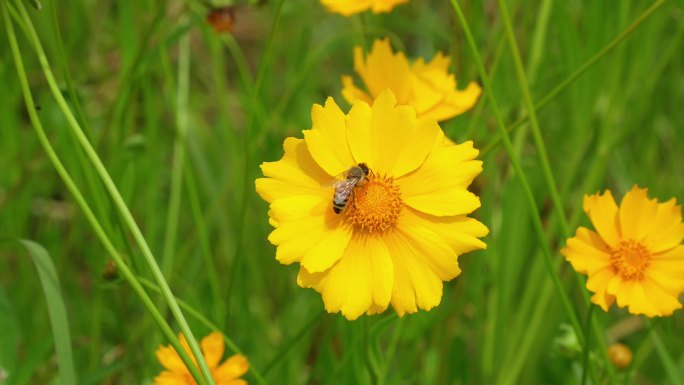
(375, 206)
(630, 259)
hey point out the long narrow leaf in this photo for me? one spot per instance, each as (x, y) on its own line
(56, 308)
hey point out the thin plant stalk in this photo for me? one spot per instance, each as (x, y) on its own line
(116, 197)
(578, 72)
(515, 161)
(586, 348)
(178, 155)
(235, 266)
(82, 203)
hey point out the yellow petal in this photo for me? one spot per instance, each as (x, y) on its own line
(670, 283)
(459, 232)
(329, 250)
(427, 247)
(347, 7)
(297, 173)
(169, 359)
(667, 230)
(636, 211)
(435, 95)
(631, 294)
(361, 138)
(212, 348)
(416, 285)
(382, 69)
(234, 367)
(317, 240)
(351, 93)
(603, 213)
(430, 85)
(297, 207)
(669, 263)
(326, 141)
(598, 284)
(587, 252)
(400, 141)
(438, 186)
(168, 378)
(307, 280)
(444, 203)
(361, 279)
(454, 103)
(661, 303)
(380, 6)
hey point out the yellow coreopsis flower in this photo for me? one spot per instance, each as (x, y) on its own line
(429, 87)
(176, 373)
(405, 223)
(635, 256)
(350, 7)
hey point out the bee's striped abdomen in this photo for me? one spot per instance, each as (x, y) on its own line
(340, 200)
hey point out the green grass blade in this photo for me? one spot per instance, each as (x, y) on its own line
(578, 72)
(675, 376)
(55, 303)
(10, 331)
(116, 198)
(87, 211)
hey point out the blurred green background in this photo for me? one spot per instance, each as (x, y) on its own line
(620, 123)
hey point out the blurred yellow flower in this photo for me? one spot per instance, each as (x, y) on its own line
(177, 373)
(635, 257)
(429, 87)
(350, 7)
(403, 228)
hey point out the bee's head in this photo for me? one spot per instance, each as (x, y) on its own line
(364, 168)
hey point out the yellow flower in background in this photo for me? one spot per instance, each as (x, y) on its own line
(635, 256)
(403, 228)
(350, 7)
(176, 373)
(429, 87)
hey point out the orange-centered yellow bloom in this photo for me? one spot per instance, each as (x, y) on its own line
(227, 373)
(400, 235)
(350, 7)
(635, 256)
(429, 87)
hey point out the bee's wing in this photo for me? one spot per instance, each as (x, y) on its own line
(336, 181)
(344, 188)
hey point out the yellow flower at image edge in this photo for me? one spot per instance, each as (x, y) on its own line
(350, 7)
(176, 373)
(429, 87)
(400, 235)
(635, 256)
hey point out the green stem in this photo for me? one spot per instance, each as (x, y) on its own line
(205, 245)
(669, 364)
(534, 123)
(248, 183)
(371, 365)
(391, 349)
(515, 161)
(82, 203)
(178, 155)
(114, 194)
(282, 354)
(587, 345)
(577, 73)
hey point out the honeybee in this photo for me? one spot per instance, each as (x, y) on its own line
(345, 183)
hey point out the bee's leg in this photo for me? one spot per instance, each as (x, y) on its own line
(352, 197)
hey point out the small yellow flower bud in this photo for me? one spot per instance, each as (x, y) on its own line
(620, 355)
